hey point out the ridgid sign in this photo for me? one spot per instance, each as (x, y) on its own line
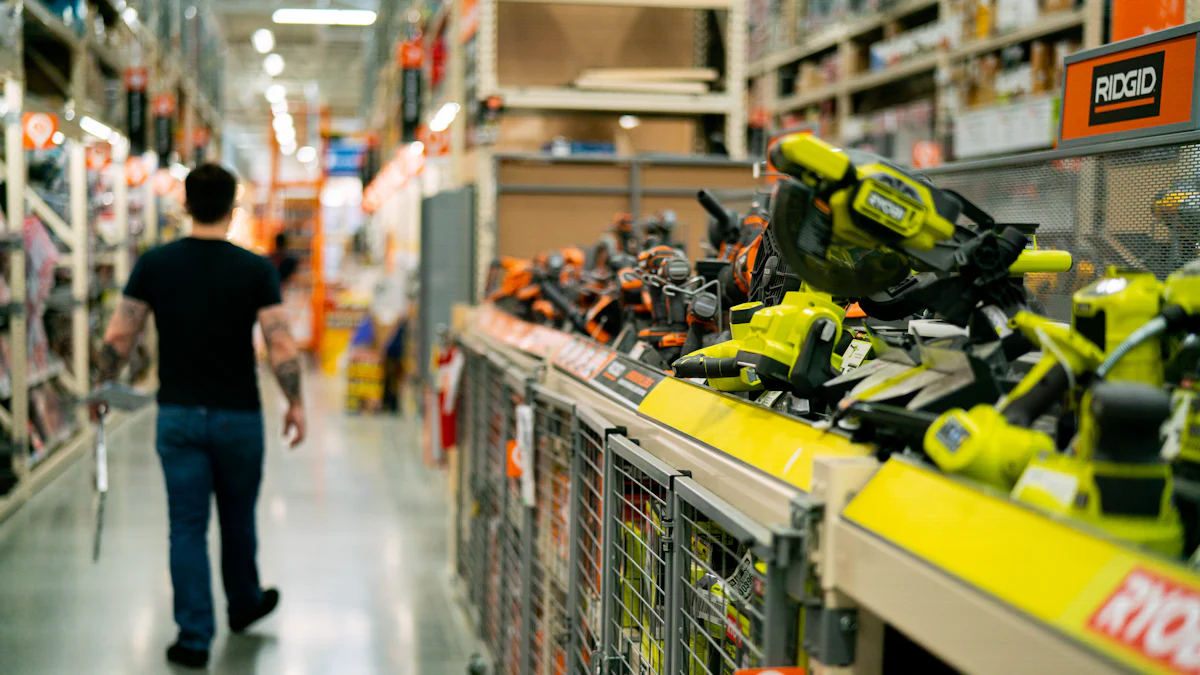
(1138, 87)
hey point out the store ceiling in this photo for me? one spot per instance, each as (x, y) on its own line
(322, 63)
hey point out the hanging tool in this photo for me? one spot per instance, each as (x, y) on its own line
(110, 396)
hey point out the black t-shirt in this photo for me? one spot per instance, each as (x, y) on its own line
(205, 295)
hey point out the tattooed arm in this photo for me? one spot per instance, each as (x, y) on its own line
(284, 357)
(120, 337)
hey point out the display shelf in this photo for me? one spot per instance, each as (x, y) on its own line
(831, 37)
(805, 99)
(1004, 587)
(566, 98)
(55, 370)
(45, 18)
(1047, 25)
(915, 66)
(669, 4)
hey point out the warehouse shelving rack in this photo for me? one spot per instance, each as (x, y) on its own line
(141, 49)
(764, 72)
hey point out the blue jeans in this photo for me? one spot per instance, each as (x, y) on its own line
(206, 452)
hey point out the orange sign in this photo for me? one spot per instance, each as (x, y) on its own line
(135, 171)
(162, 183)
(38, 129)
(516, 460)
(137, 78)
(437, 143)
(410, 54)
(163, 105)
(468, 19)
(1131, 18)
(926, 154)
(1135, 89)
(99, 155)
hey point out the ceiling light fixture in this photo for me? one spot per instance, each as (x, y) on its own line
(288, 149)
(306, 154)
(283, 121)
(286, 136)
(325, 17)
(58, 138)
(130, 15)
(279, 107)
(628, 121)
(444, 116)
(95, 127)
(276, 92)
(263, 40)
(273, 64)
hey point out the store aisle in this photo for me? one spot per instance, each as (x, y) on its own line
(352, 530)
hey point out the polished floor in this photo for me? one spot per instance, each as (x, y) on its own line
(352, 530)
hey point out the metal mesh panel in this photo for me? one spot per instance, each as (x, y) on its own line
(494, 616)
(638, 509)
(465, 522)
(507, 645)
(720, 599)
(769, 288)
(588, 543)
(1133, 208)
(552, 428)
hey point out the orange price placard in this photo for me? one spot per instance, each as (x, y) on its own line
(137, 78)
(135, 171)
(410, 54)
(38, 129)
(163, 105)
(516, 460)
(99, 155)
(1143, 89)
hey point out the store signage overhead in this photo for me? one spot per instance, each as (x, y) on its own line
(1144, 86)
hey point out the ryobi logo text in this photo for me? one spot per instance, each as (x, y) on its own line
(886, 206)
(1154, 616)
(1127, 90)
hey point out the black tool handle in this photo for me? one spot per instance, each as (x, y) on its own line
(710, 204)
(707, 367)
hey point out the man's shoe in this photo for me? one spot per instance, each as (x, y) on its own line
(239, 623)
(188, 658)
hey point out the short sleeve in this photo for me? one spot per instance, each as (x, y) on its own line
(139, 285)
(271, 294)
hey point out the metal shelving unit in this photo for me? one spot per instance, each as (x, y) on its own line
(843, 39)
(140, 48)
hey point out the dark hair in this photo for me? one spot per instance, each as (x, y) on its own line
(211, 191)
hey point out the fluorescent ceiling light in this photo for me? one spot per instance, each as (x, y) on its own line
(444, 116)
(276, 92)
(273, 64)
(325, 17)
(628, 121)
(306, 154)
(95, 128)
(289, 149)
(279, 107)
(286, 137)
(416, 148)
(130, 15)
(58, 138)
(281, 122)
(263, 40)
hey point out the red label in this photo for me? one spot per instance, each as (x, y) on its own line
(1154, 616)
(411, 54)
(136, 79)
(164, 105)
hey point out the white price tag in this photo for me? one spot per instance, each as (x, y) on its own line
(525, 452)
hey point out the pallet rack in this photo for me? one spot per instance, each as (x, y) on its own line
(140, 48)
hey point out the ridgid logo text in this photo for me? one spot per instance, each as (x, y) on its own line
(1127, 90)
(1155, 617)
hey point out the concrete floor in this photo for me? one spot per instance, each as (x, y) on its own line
(352, 530)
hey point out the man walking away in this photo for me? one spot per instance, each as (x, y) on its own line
(206, 294)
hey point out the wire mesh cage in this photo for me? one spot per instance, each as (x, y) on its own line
(554, 420)
(466, 510)
(731, 605)
(1136, 208)
(587, 537)
(637, 521)
(513, 567)
(497, 534)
